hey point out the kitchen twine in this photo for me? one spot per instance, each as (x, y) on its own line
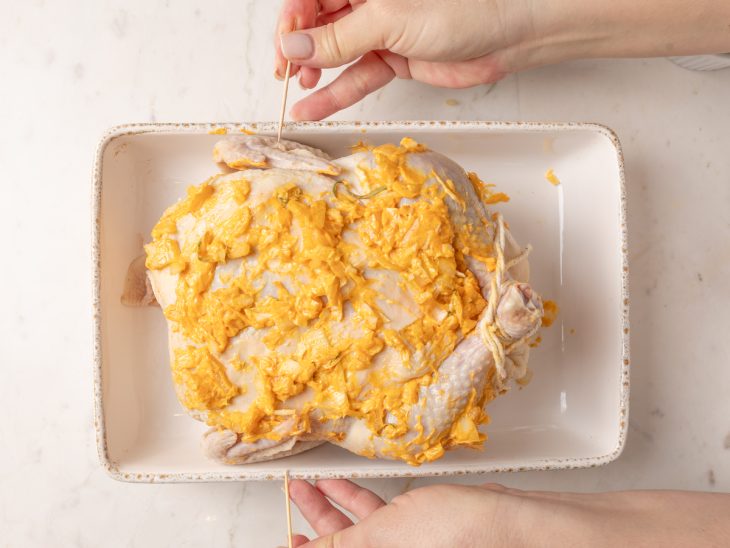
(488, 328)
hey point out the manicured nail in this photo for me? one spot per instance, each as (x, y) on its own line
(297, 45)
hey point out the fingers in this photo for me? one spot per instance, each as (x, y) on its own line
(294, 14)
(324, 518)
(338, 43)
(355, 536)
(357, 81)
(327, 18)
(309, 77)
(351, 497)
(398, 63)
(325, 542)
(463, 74)
(329, 6)
(299, 540)
(499, 488)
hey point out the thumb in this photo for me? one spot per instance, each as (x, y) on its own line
(337, 43)
(356, 535)
(340, 539)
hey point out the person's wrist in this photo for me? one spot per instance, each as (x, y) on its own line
(541, 33)
(564, 30)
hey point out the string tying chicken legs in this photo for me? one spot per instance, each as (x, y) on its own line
(489, 330)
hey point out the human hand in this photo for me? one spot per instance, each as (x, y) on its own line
(453, 44)
(461, 43)
(493, 515)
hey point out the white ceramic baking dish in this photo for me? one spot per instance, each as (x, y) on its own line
(573, 414)
(704, 62)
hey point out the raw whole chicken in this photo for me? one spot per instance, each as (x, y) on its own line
(370, 301)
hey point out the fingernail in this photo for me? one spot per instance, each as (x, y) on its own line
(297, 45)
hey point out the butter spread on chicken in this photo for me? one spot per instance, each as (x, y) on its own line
(372, 301)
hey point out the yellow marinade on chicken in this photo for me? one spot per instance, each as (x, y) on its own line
(321, 250)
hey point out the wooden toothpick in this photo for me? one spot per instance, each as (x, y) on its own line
(283, 101)
(288, 508)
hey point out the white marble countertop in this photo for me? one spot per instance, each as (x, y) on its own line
(71, 69)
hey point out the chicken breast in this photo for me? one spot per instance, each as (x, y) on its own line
(372, 301)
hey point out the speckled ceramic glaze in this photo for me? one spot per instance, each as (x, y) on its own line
(573, 414)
